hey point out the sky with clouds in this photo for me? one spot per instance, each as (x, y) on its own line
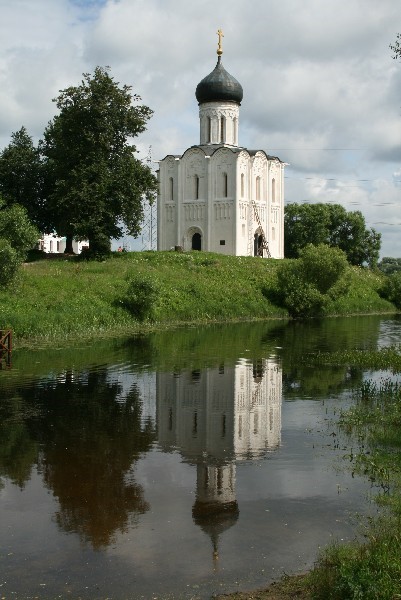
(321, 90)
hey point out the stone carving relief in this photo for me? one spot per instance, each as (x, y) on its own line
(243, 211)
(170, 162)
(215, 113)
(195, 162)
(195, 166)
(259, 164)
(274, 214)
(243, 161)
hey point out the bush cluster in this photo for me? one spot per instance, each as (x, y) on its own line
(9, 262)
(141, 297)
(391, 288)
(306, 285)
(17, 236)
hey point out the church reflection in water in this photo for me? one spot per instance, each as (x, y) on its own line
(217, 418)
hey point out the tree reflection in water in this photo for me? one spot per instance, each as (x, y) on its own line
(89, 437)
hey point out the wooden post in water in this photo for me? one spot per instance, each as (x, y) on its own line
(6, 346)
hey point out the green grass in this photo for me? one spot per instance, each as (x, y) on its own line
(61, 299)
(363, 292)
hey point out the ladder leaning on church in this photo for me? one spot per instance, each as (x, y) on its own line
(264, 245)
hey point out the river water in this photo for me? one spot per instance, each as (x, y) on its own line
(180, 464)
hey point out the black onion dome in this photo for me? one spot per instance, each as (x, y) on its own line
(219, 86)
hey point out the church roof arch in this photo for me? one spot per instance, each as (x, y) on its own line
(268, 156)
(222, 151)
(194, 150)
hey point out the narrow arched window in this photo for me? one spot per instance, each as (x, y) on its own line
(171, 188)
(196, 187)
(273, 190)
(242, 185)
(273, 234)
(209, 130)
(234, 134)
(257, 188)
(225, 185)
(222, 130)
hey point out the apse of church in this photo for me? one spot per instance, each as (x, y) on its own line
(219, 196)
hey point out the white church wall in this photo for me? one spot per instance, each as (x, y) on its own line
(194, 166)
(167, 203)
(276, 209)
(170, 225)
(223, 193)
(222, 239)
(242, 204)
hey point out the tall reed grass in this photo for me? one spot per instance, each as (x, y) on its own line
(370, 570)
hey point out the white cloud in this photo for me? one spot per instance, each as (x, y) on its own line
(321, 90)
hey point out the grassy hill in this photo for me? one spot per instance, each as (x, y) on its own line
(61, 299)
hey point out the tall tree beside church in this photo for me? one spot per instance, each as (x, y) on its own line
(332, 225)
(96, 184)
(21, 178)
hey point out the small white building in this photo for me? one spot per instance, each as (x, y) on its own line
(53, 244)
(218, 196)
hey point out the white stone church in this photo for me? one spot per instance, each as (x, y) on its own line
(219, 196)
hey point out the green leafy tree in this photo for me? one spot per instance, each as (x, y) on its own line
(389, 265)
(21, 178)
(305, 285)
(391, 288)
(17, 236)
(16, 228)
(9, 262)
(95, 184)
(330, 224)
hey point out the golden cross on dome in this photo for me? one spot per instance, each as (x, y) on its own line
(219, 48)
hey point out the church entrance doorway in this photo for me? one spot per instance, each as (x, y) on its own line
(196, 241)
(257, 244)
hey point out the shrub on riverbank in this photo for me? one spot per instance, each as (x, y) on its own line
(391, 288)
(305, 286)
(17, 235)
(59, 298)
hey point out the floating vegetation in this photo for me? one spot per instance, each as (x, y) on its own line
(388, 358)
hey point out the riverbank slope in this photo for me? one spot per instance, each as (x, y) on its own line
(132, 292)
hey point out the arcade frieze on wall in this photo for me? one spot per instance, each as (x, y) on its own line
(222, 211)
(194, 211)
